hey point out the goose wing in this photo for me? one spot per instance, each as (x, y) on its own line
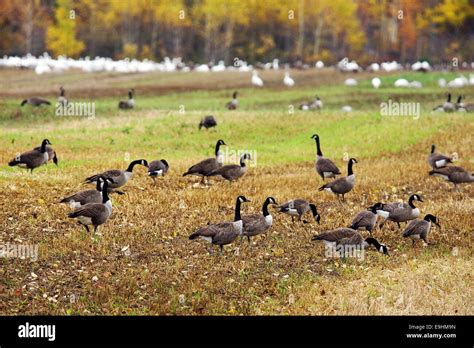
(254, 223)
(31, 158)
(414, 227)
(336, 235)
(83, 197)
(108, 174)
(326, 165)
(205, 167)
(231, 171)
(355, 239)
(96, 211)
(364, 218)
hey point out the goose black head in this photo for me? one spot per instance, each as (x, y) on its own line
(432, 218)
(416, 197)
(144, 162)
(246, 156)
(46, 142)
(353, 160)
(460, 99)
(375, 207)
(220, 142)
(243, 199)
(315, 136)
(433, 147)
(270, 200)
(315, 213)
(382, 248)
(234, 95)
(449, 97)
(165, 163)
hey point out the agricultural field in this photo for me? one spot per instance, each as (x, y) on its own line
(141, 261)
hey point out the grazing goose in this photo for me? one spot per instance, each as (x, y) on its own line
(225, 232)
(208, 122)
(35, 101)
(234, 103)
(287, 80)
(51, 154)
(256, 224)
(119, 177)
(298, 207)
(343, 185)
(81, 198)
(62, 99)
(232, 172)
(324, 167)
(366, 219)
(157, 168)
(256, 80)
(419, 229)
(207, 166)
(32, 159)
(400, 212)
(94, 214)
(436, 160)
(456, 175)
(349, 237)
(130, 103)
(316, 104)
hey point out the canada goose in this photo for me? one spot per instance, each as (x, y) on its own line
(81, 198)
(205, 167)
(120, 177)
(157, 168)
(130, 103)
(456, 175)
(35, 101)
(419, 229)
(62, 101)
(316, 104)
(234, 103)
(256, 224)
(208, 122)
(32, 159)
(324, 167)
(448, 106)
(400, 212)
(51, 154)
(298, 207)
(225, 232)
(366, 218)
(343, 185)
(256, 80)
(463, 107)
(94, 214)
(349, 237)
(436, 160)
(232, 172)
(287, 80)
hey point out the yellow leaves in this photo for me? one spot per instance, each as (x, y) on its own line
(61, 37)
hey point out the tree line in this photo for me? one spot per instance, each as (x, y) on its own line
(252, 30)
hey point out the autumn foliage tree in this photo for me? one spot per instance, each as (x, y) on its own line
(61, 37)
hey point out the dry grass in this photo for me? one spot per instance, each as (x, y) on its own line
(164, 266)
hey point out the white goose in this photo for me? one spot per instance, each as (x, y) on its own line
(256, 80)
(288, 81)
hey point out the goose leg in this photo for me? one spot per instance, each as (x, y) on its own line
(248, 239)
(95, 229)
(398, 224)
(222, 248)
(87, 228)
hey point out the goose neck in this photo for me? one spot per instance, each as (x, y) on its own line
(318, 148)
(237, 216)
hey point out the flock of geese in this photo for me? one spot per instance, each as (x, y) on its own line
(93, 207)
